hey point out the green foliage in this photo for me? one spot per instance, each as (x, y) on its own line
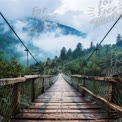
(15, 68)
(4, 66)
(78, 52)
(63, 53)
(28, 71)
(12, 68)
(119, 40)
(72, 61)
(69, 54)
(73, 66)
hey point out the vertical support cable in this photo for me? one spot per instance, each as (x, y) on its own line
(27, 58)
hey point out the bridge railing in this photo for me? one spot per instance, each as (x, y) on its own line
(17, 93)
(104, 91)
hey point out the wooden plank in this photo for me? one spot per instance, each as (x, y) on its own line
(61, 97)
(57, 96)
(63, 116)
(66, 107)
(68, 94)
(58, 104)
(103, 120)
(56, 93)
(63, 111)
(62, 102)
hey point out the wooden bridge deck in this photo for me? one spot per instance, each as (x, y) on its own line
(61, 103)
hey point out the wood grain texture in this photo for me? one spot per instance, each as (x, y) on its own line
(61, 102)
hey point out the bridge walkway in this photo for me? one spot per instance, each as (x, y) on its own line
(60, 103)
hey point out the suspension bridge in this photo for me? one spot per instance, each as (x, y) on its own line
(60, 98)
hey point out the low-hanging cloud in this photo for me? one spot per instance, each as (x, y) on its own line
(68, 12)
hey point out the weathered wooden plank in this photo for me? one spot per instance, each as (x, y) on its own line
(61, 97)
(58, 104)
(62, 102)
(56, 93)
(66, 107)
(57, 96)
(68, 94)
(63, 111)
(64, 120)
(63, 116)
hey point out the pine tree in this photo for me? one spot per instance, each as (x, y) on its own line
(69, 54)
(48, 61)
(63, 53)
(92, 46)
(78, 51)
(119, 40)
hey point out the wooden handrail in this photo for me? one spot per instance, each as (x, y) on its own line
(98, 78)
(31, 76)
(7, 81)
(110, 104)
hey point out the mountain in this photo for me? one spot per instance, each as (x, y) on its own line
(31, 30)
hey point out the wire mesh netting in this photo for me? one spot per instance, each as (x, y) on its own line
(26, 91)
(111, 91)
(7, 102)
(38, 86)
(47, 83)
(8, 96)
(117, 96)
(101, 88)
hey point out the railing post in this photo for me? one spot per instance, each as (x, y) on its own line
(71, 81)
(33, 95)
(42, 85)
(17, 91)
(83, 91)
(78, 84)
(114, 98)
(50, 81)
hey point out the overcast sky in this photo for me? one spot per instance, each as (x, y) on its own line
(94, 17)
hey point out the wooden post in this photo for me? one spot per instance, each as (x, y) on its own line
(114, 99)
(78, 84)
(33, 95)
(42, 91)
(83, 91)
(50, 82)
(71, 81)
(17, 91)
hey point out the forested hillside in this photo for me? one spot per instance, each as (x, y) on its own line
(75, 61)
(69, 61)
